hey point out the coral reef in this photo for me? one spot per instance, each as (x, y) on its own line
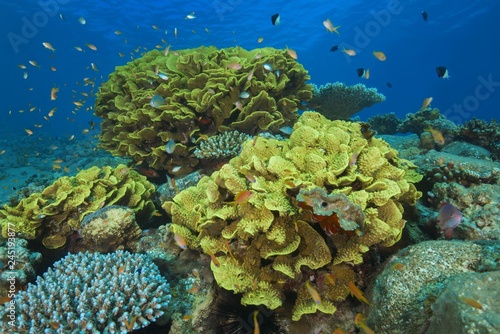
(267, 244)
(451, 168)
(385, 124)
(338, 101)
(221, 147)
(110, 229)
(173, 186)
(482, 133)
(469, 304)
(479, 204)
(425, 119)
(17, 265)
(184, 96)
(403, 293)
(58, 210)
(91, 293)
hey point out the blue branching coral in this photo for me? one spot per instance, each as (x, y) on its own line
(91, 293)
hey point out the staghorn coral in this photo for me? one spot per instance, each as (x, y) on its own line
(201, 98)
(91, 293)
(265, 245)
(338, 101)
(54, 213)
(221, 147)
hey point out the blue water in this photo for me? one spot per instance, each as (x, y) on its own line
(461, 35)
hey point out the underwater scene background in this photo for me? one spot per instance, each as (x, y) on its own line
(249, 167)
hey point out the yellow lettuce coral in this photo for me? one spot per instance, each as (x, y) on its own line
(200, 92)
(59, 209)
(313, 203)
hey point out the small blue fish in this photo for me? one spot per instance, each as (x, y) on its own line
(163, 76)
(156, 101)
(278, 73)
(268, 67)
(286, 130)
(244, 95)
(170, 147)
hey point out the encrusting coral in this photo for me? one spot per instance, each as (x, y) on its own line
(311, 203)
(58, 210)
(338, 101)
(109, 229)
(91, 293)
(198, 93)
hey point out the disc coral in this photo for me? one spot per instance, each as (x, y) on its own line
(54, 213)
(205, 91)
(267, 245)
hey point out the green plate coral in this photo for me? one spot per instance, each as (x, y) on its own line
(54, 213)
(318, 200)
(197, 93)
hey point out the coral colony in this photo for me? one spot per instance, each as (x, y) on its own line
(269, 240)
(92, 293)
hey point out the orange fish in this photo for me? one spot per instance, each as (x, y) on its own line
(339, 331)
(53, 69)
(436, 135)
(313, 292)
(53, 93)
(398, 266)
(349, 52)
(121, 270)
(186, 317)
(241, 197)
(214, 260)
(359, 321)
(329, 26)
(380, 55)
(292, 53)
(28, 131)
(194, 289)
(180, 241)
(260, 39)
(471, 302)
(356, 292)
(427, 102)
(234, 66)
(91, 46)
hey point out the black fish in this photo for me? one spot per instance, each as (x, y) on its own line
(388, 84)
(425, 15)
(363, 73)
(334, 48)
(92, 125)
(275, 19)
(442, 72)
